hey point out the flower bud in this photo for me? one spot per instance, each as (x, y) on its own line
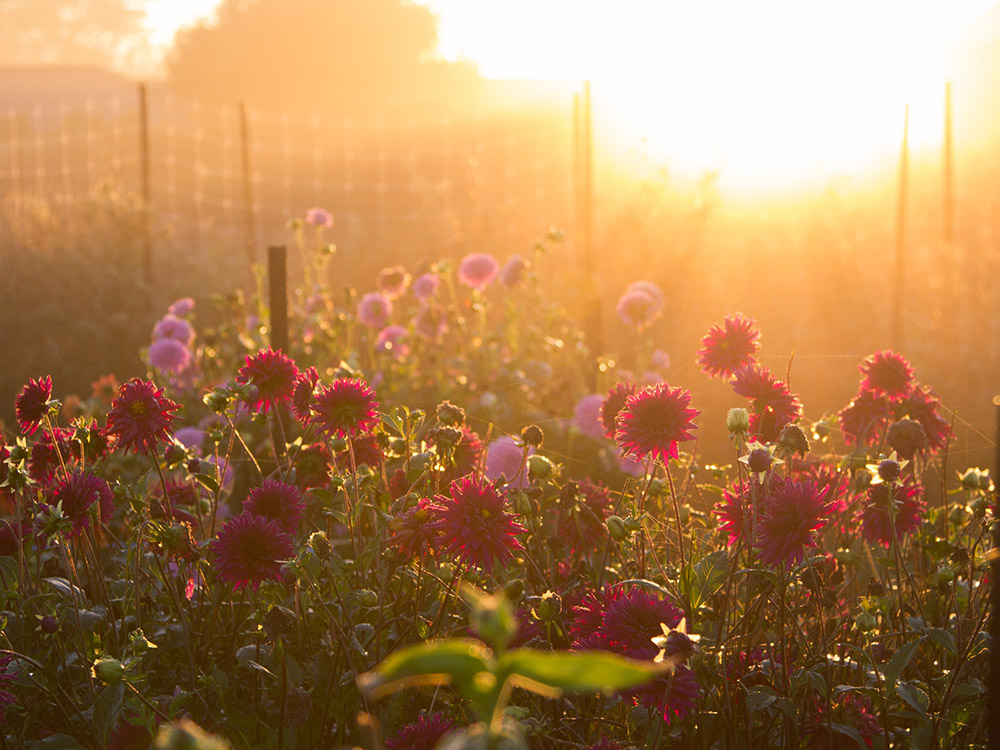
(449, 414)
(533, 435)
(865, 622)
(793, 440)
(889, 470)
(738, 420)
(513, 589)
(548, 607)
(109, 671)
(539, 467)
(217, 400)
(616, 528)
(319, 544)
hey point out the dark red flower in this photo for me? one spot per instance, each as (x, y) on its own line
(312, 466)
(733, 511)
(140, 416)
(250, 550)
(791, 514)
(276, 501)
(623, 620)
(674, 696)
(32, 404)
(877, 524)
(273, 374)
(922, 405)
(863, 420)
(302, 394)
(887, 374)
(78, 493)
(367, 452)
(654, 420)
(613, 403)
(773, 405)
(475, 525)
(43, 464)
(423, 734)
(728, 347)
(345, 408)
(412, 534)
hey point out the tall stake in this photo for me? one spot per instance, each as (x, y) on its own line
(895, 331)
(147, 233)
(277, 283)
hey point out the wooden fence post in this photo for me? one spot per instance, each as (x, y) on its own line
(277, 284)
(147, 231)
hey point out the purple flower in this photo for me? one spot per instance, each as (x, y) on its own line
(182, 307)
(391, 341)
(319, 217)
(392, 282)
(478, 270)
(587, 416)
(505, 456)
(172, 327)
(169, 355)
(190, 437)
(374, 310)
(513, 271)
(425, 286)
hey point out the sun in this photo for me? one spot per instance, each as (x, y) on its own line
(769, 93)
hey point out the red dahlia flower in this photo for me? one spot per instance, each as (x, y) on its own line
(612, 404)
(250, 550)
(276, 501)
(887, 374)
(475, 525)
(655, 420)
(32, 404)
(140, 416)
(274, 376)
(728, 347)
(790, 516)
(345, 408)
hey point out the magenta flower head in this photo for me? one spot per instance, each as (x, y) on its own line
(612, 405)
(733, 510)
(876, 523)
(345, 408)
(773, 404)
(273, 374)
(728, 347)
(513, 271)
(302, 394)
(587, 416)
(863, 420)
(374, 310)
(33, 403)
(425, 286)
(250, 550)
(887, 374)
(922, 405)
(505, 458)
(423, 734)
(276, 501)
(182, 307)
(78, 493)
(791, 515)
(140, 416)
(173, 327)
(639, 307)
(169, 356)
(623, 620)
(475, 525)
(392, 282)
(654, 420)
(478, 270)
(412, 535)
(319, 217)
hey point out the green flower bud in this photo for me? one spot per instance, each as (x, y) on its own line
(945, 574)
(738, 420)
(539, 467)
(548, 607)
(320, 544)
(217, 400)
(367, 598)
(616, 528)
(522, 503)
(513, 589)
(109, 671)
(865, 622)
(449, 414)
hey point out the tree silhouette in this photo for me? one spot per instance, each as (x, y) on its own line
(326, 56)
(103, 33)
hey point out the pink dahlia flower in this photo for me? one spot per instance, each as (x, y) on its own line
(654, 420)
(728, 347)
(273, 374)
(478, 270)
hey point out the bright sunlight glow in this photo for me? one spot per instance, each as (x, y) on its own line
(770, 93)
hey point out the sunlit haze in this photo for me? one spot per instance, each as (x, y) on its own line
(769, 92)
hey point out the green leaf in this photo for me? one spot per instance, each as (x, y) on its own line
(63, 587)
(261, 668)
(848, 731)
(107, 707)
(456, 660)
(915, 697)
(759, 698)
(898, 663)
(552, 673)
(944, 639)
(207, 481)
(920, 738)
(57, 742)
(709, 576)
(980, 644)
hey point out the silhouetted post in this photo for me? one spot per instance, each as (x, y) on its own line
(277, 284)
(993, 685)
(896, 314)
(583, 159)
(147, 233)
(949, 196)
(249, 220)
